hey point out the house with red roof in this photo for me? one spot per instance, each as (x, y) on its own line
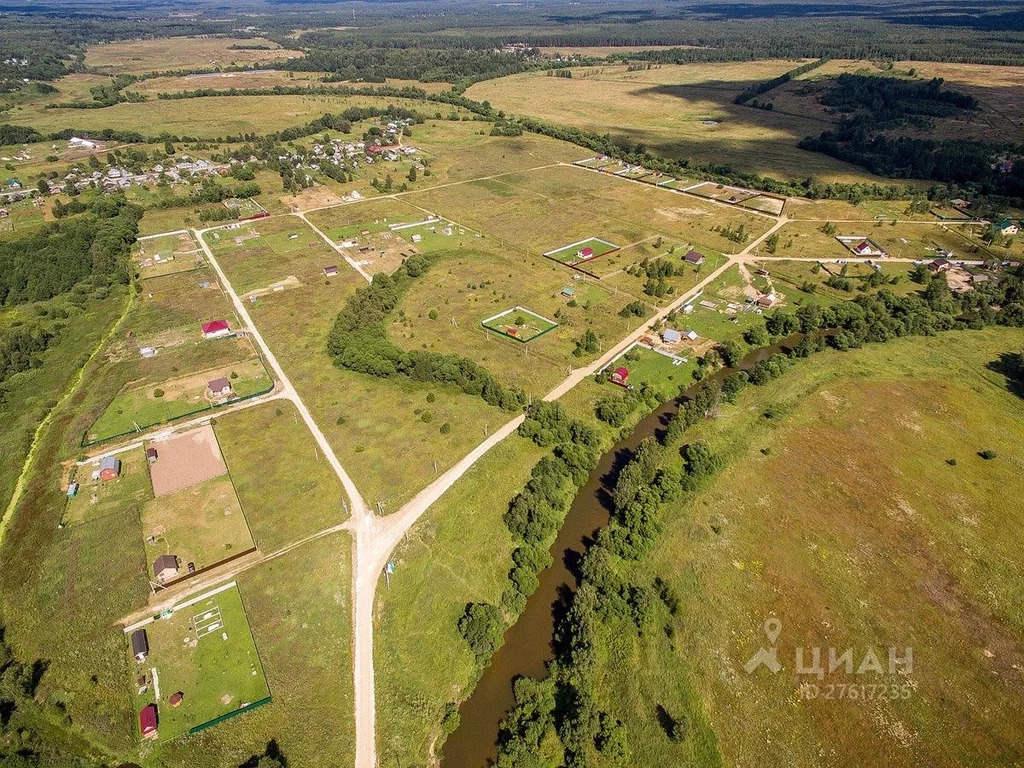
(215, 329)
(585, 253)
(619, 376)
(148, 721)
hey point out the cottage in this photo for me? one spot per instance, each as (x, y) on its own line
(694, 257)
(165, 568)
(140, 645)
(939, 265)
(767, 301)
(110, 468)
(671, 336)
(215, 329)
(219, 387)
(620, 376)
(148, 721)
(331, 271)
(585, 253)
(1007, 228)
(151, 455)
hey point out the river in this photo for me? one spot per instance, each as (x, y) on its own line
(528, 643)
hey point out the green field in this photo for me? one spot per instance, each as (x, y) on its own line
(258, 253)
(157, 256)
(646, 366)
(205, 651)
(861, 517)
(287, 493)
(98, 498)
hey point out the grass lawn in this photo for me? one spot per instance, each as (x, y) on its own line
(646, 366)
(348, 222)
(164, 401)
(201, 524)
(421, 661)
(98, 498)
(285, 486)
(581, 251)
(844, 518)
(205, 651)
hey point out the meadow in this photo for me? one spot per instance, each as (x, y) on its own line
(856, 528)
(174, 53)
(287, 493)
(679, 111)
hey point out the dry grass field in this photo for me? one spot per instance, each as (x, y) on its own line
(681, 111)
(212, 117)
(173, 53)
(223, 81)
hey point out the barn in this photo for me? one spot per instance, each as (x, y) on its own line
(140, 644)
(110, 468)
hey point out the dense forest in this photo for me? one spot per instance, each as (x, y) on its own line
(56, 257)
(872, 105)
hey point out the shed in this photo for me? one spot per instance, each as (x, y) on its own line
(331, 271)
(692, 335)
(569, 291)
(140, 645)
(220, 386)
(165, 568)
(176, 698)
(620, 375)
(110, 468)
(151, 455)
(72, 490)
(694, 257)
(148, 721)
(671, 336)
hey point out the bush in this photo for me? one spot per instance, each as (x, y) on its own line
(158, 393)
(987, 454)
(446, 428)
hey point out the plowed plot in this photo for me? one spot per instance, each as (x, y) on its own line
(185, 460)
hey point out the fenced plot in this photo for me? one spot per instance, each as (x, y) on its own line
(519, 324)
(203, 667)
(166, 254)
(243, 206)
(185, 460)
(581, 252)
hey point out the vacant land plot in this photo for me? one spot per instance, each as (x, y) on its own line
(164, 255)
(856, 529)
(175, 53)
(204, 651)
(284, 483)
(22, 217)
(533, 211)
(200, 525)
(677, 110)
(261, 252)
(185, 460)
(98, 498)
(663, 372)
(350, 222)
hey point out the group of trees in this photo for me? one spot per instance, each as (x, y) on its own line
(359, 342)
(56, 257)
(767, 85)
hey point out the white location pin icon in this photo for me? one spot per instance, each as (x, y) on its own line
(772, 628)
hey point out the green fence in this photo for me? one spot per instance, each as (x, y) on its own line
(228, 715)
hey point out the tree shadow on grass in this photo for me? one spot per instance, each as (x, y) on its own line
(1010, 365)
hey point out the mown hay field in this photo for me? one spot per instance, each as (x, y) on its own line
(173, 53)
